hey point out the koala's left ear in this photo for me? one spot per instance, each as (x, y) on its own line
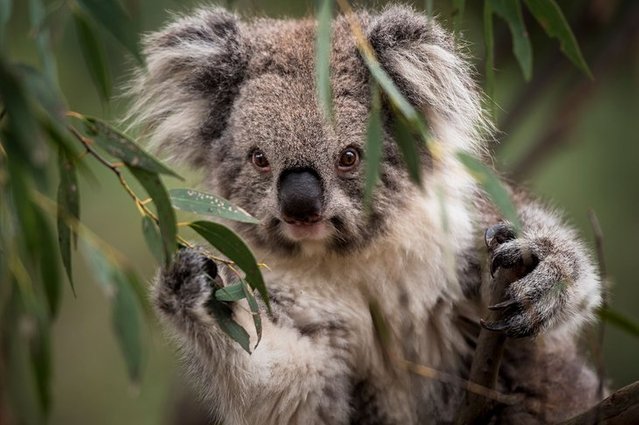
(194, 68)
(422, 59)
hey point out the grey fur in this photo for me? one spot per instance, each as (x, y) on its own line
(216, 89)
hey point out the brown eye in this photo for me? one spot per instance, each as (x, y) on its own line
(348, 159)
(259, 160)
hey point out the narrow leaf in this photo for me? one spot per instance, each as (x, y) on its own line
(510, 11)
(208, 205)
(49, 269)
(406, 140)
(374, 143)
(93, 53)
(493, 187)
(122, 147)
(40, 346)
(166, 215)
(111, 15)
(124, 308)
(153, 239)
(224, 317)
(619, 320)
(229, 244)
(255, 310)
(68, 206)
(230, 293)
(323, 57)
(37, 14)
(126, 323)
(552, 20)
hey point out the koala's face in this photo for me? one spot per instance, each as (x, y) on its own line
(239, 101)
(301, 176)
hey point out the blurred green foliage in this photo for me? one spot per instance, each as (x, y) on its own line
(572, 139)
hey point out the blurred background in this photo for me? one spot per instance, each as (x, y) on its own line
(573, 140)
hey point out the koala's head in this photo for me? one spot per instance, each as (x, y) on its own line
(238, 100)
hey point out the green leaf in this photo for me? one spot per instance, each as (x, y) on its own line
(124, 308)
(407, 142)
(153, 239)
(37, 14)
(489, 45)
(374, 144)
(122, 147)
(510, 11)
(68, 208)
(234, 292)
(255, 310)
(224, 317)
(111, 15)
(552, 20)
(166, 215)
(493, 187)
(323, 57)
(229, 244)
(40, 346)
(94, 55)
(208, 205)
(619, 320)
(21, 139)
(49, 270)
(126, 323)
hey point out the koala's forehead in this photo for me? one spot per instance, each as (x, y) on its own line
(277, 102)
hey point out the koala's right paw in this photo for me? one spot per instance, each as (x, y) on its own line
(187, 282)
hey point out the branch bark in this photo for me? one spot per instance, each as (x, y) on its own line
(621, 408)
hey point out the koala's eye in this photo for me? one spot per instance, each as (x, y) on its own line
(258, 158)
(348, 159)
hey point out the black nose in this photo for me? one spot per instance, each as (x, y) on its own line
(300, 196)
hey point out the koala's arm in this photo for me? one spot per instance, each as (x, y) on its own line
(561, 289)
(289, 378)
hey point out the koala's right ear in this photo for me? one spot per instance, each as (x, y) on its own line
(194, 68)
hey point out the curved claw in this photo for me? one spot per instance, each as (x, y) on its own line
(498, 234)
(503, 305)
(499, 326)
(505, 259)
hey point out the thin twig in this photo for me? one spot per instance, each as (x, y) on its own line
(620, 408)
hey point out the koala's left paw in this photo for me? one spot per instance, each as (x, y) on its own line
(533, 302)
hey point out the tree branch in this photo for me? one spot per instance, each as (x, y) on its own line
(621, 408)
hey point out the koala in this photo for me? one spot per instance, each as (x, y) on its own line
(236, 99)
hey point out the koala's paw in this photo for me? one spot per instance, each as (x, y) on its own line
(533, 301)
(187, 283)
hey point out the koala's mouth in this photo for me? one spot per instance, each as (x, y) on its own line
(302, 231)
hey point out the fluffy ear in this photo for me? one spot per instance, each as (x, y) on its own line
(194, 68)
(422, 60)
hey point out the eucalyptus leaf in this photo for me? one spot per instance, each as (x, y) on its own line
(492, 186)
(229, 244)
(37, 15)
(49, 269)
(208, 205)
(93, 53)
(224, 317)
(118, 286)
(552, 20)
(407, 142)
(166, 215)
(111, 15)
(68, 207)
(510, 11)
(40, 348)
(122, 147)
(153, 239)
(255, 310)
(230, 293)
(374, 143)
(323, 57)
